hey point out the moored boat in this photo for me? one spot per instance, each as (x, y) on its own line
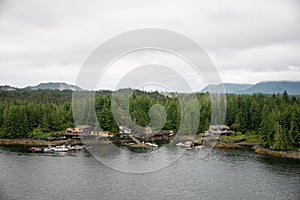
(62, 148)
(199, 147)
(48, 149)
(76, 147)
(186, 144)
(151, 144)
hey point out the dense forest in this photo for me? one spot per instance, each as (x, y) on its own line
(274, 118)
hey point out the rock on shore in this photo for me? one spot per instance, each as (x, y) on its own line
(281, 154)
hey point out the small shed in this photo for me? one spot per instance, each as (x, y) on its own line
(83, 129)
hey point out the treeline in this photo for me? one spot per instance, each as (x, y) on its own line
(275, 119)
(32, 113)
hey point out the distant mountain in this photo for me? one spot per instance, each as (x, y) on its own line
(267, 87)
(274, 87)
(234, 88)
(54, 86)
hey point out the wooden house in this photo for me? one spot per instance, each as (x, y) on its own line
(219, 130)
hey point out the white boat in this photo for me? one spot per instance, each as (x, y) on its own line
(151, 144)
(48, 149)
(186, 144)
(62, 148)
(180, 144)
(76, 147)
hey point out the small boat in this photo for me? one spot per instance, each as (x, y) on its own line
(76, 147)
(199, 147)
(48, 149)
(62, 148)
(151, 144)
(186, 144)
(180, 144)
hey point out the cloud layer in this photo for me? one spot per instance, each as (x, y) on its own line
(49, 40)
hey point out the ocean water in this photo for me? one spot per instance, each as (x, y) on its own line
(221, 174)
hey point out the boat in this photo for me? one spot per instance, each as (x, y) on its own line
(199, 147)
(151, 144)
(62, 148)
(76, 147)
(48, 149)
(180, 144)
(186, 144)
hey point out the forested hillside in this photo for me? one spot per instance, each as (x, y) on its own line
(275, 119)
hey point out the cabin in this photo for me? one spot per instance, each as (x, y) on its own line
(84, 129)
(220, 130)
(77, 131)
(105, 134)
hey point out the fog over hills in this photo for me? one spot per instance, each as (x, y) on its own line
(44, 86)
(54, 86)
(266, 87)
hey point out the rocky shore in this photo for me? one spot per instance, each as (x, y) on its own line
(196, 139)
(277, 153)
(258, 149)
(37, 142)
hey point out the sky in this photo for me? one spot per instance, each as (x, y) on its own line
(248, 41)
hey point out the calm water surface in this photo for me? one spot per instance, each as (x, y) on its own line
(222, 174)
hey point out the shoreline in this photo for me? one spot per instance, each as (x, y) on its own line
(290, 154)
(255, 146)
(37, 142)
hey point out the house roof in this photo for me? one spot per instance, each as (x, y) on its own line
(84, 126)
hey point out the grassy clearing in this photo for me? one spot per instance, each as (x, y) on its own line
(247, 137)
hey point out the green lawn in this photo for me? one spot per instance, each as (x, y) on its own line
(247, 137)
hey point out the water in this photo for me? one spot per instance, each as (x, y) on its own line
(222, 174)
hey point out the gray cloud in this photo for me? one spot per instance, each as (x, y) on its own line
(49, 40)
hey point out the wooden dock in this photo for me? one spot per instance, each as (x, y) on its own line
(134, 139)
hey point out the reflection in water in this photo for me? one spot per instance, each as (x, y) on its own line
(222, 174)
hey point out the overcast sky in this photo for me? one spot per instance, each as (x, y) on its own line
(248, 41)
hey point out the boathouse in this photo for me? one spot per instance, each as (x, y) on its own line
(219, 130)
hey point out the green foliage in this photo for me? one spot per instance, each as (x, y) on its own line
(38, 133)
(274, 120)
(247, 137)
(280, 123)
(34, 113)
